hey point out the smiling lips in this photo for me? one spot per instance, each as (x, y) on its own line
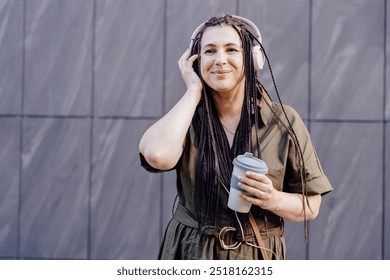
(221, 72)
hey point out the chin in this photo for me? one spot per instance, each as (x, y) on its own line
(220, 88)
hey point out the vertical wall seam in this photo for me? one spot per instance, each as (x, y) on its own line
(163, 104)
(164, 49)
(310, 54)
(21, 134)
(91, 130)
(384, 134)
(309, 72)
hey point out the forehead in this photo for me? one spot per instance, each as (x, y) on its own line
(224, 34)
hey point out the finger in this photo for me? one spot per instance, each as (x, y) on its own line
(184, 57)
(258, 177)
(252, 199)
(252, 183)
(185, 62)
(252, 191)
(193, 58)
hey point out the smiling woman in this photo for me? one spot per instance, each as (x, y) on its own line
(224, 113)
(222, 66)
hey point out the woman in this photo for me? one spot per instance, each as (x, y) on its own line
(226, 112)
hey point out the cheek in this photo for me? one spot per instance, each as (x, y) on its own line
(238, 63)
(205, 66)
(240, 69)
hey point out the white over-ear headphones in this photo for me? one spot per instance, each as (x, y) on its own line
(258, 57)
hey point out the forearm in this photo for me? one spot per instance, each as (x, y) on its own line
(290, 207)
(162, 143)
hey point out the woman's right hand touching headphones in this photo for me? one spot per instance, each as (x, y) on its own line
(191, 79)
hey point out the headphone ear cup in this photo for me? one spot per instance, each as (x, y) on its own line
(258, 58)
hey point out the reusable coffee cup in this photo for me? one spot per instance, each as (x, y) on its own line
(243, 163)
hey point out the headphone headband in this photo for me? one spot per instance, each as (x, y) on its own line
(257, 33)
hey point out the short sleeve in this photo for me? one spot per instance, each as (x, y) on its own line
(316, 180)
(150, 168)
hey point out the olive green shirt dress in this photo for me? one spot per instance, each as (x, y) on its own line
(184, 240)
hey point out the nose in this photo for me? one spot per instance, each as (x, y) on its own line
(220, 58)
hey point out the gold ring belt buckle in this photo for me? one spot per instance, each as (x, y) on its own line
(221, 238)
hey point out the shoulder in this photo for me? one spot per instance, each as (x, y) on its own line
(288, 117)
(270, 109)
(289, 111)
(287, 114)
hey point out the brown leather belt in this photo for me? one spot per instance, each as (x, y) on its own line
(184, 216)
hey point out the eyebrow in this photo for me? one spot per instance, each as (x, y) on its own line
(226, 45)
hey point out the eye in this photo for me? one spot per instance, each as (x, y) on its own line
(209, 51)
(232, 50)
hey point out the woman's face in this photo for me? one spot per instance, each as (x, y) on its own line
(222, 63)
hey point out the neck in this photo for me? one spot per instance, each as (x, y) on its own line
(229, 104)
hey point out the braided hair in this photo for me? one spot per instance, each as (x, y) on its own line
(214, 165)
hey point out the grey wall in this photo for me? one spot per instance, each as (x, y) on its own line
(82, 79)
